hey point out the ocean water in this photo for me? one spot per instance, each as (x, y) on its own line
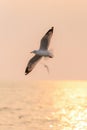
(53, 105)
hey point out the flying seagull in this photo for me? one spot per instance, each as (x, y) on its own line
(42, 52)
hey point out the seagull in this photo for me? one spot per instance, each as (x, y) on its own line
(42, 52)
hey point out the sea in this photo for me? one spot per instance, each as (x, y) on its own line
(43, 105)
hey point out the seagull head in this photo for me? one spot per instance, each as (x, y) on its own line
(35, 51)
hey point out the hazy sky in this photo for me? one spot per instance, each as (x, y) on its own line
(22, 25)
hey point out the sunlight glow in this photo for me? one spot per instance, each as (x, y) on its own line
(71, 109)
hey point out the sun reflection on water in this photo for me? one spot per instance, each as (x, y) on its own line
(70, 103)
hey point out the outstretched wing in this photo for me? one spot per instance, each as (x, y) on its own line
(31, 64)
(45, 41)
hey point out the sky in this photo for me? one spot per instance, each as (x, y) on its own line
(22, 25)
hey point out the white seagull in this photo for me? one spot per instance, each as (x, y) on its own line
(42, 52)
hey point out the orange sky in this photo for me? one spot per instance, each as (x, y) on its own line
(22, 25)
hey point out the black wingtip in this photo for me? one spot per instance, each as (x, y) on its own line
(50, 30)
(27, 71)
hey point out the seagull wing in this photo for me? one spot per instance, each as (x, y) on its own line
(45, 41)
(31, 64)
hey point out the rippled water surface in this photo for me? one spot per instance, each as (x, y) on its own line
(52, 105)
